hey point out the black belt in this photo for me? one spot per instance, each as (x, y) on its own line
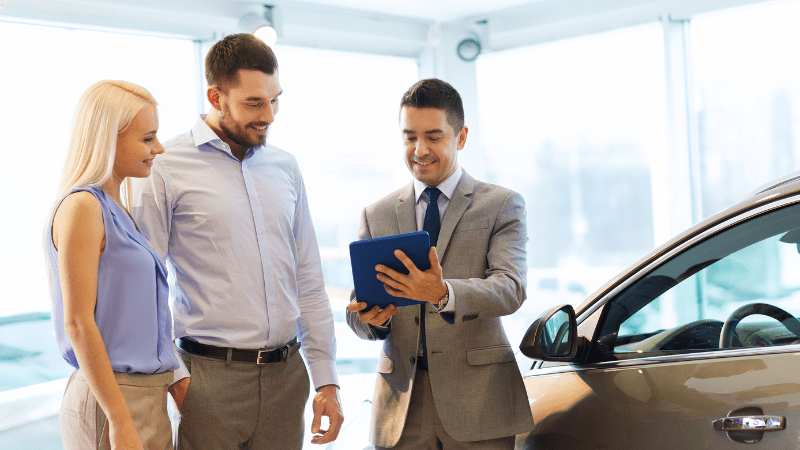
(280, 354)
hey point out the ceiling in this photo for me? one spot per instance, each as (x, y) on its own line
(429, 10)
(392, 27)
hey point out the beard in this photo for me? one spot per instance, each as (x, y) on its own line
(237, 133)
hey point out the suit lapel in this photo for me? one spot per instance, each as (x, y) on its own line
(462, 197)
(406, 211)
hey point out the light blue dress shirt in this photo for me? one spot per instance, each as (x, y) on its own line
(132, 310)
(244, 265)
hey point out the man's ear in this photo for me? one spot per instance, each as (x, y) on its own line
(462, 137)
(213, 94)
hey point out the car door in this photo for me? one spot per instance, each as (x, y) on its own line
(691, 347)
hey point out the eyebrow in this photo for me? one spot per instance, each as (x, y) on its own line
(258, 99)
(434, 131)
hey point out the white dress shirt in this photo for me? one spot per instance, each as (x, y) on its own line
(237, 236)
(446, 187)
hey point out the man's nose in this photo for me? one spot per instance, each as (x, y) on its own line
(267, 115)
(421, 149)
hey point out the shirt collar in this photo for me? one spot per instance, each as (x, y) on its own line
(447, 187)
(204, 135)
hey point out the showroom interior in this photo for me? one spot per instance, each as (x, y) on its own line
(621, 122)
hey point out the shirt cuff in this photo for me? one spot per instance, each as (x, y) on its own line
(451, 300)
(323, 373)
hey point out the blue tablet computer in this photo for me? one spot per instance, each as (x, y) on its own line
(366, 254)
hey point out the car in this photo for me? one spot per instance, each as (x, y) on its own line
(696, 345)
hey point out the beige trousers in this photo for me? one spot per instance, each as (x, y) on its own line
(83, 422)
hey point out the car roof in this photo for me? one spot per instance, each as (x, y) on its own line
(778, 189)
(787, 179)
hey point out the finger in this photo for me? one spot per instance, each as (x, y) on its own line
(315, 423)
(385, 315)
(388, 271)
(405, 260)
(356, 306)
(394, 292)
(367, 316)
(335, 423)
(393, 283)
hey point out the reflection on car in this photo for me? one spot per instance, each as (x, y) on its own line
(694, 346)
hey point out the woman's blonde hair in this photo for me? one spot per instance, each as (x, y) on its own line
(104, 112)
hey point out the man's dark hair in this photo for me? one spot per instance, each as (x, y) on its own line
(435, 93)
(234, 52)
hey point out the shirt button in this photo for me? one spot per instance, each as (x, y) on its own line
(412, 360)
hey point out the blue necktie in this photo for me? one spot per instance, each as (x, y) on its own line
(432, 224)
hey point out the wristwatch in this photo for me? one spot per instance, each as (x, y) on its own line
(443, 301)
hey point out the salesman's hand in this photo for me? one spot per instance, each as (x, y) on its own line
(375, 316)
(326, 403)
(427, 286)
(178, 391)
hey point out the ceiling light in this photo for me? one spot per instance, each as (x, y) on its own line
(262, 25)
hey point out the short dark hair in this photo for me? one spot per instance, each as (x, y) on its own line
(435, 93)
(238, 51)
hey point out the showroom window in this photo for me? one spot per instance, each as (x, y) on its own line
(573, 126)
(748, 99)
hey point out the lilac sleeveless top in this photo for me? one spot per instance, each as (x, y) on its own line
(132, 309)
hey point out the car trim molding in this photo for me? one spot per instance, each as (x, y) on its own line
(652, 360)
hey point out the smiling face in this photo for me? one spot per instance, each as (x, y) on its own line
(138, 146)
(244, 110)
(431, 144)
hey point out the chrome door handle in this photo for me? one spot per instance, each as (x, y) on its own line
(750, 423)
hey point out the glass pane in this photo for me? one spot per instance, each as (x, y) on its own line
(573, 126)
(44, 91)
(748, 86)
(555, 339)
(682, 305)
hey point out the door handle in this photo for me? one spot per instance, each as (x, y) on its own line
(750, 423)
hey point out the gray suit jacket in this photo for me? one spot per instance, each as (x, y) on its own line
(476, 383)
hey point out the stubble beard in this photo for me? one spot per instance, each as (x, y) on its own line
(237, 134)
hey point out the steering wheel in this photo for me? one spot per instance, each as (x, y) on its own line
(729, 327)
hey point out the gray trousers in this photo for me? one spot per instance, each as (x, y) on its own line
(243, 405)
(83, 422)
(424, 430)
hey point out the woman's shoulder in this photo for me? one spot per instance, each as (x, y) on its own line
(80, 208)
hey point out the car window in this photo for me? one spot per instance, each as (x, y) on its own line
(740, 287)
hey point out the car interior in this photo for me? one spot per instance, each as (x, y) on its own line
(734, 289)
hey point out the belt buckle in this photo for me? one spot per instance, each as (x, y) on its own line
(284, 355)
(258, 358)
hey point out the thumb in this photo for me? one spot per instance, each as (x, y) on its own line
(434, 259)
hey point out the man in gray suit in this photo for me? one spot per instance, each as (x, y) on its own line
(447, 377)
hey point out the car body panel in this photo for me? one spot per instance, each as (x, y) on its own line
(640, 393)
(663, 405)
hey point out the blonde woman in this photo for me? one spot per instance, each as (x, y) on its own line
(108, 287)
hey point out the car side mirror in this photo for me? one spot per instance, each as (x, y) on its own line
(553, 336)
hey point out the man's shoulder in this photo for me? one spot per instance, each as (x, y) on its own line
(391, 199)
(483, 187)
(180, 141)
